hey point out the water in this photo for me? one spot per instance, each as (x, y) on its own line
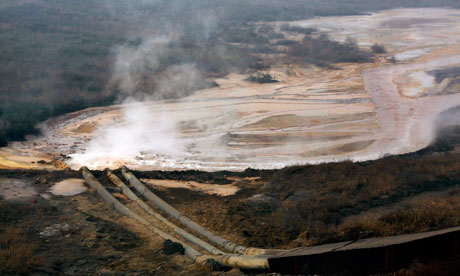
(68, 187)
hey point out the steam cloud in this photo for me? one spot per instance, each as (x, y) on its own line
(138, 75)
(140, 131)
(136, 72)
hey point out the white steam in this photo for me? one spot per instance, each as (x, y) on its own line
(133, 62)
(141, 130)
(178, 81)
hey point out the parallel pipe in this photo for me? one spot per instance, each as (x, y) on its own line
(240, 261)
(226, 244)
(189, 237)
(252, 251)
(229, 260)
(117, 205)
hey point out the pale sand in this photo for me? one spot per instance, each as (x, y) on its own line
(221, 190)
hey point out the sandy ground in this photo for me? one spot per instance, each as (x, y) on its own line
(360, 112)
(212, 189)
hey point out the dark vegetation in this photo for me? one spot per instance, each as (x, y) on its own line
(378, 49)
(297, 29)
(322, 51)
(57, 56)
(443, 74)
(54, 59)
(261, 78)
(285, 42)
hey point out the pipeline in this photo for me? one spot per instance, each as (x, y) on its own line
(253, 251)
(227, 260)
(226, 244)
(189, 237)
(239, 261)
(117, 205)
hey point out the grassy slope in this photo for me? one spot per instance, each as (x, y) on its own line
(346, 201)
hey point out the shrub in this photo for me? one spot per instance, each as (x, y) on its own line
(297, 29)
(322, 50)
(378, 49)
(285, 42)
(261, 78)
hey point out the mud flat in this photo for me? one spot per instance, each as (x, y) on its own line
(241, 124)
(16, 189)
(407, 122)
(359, 112)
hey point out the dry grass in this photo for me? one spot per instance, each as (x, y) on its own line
(420, 215)
(316, 200)
(17, 253)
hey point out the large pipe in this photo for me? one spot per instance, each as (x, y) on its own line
(189, 237)
(226, 244)
(240, 261)
(252, 251)
(117, 205)
(230, 260)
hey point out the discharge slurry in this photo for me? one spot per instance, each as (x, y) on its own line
(407, 123)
